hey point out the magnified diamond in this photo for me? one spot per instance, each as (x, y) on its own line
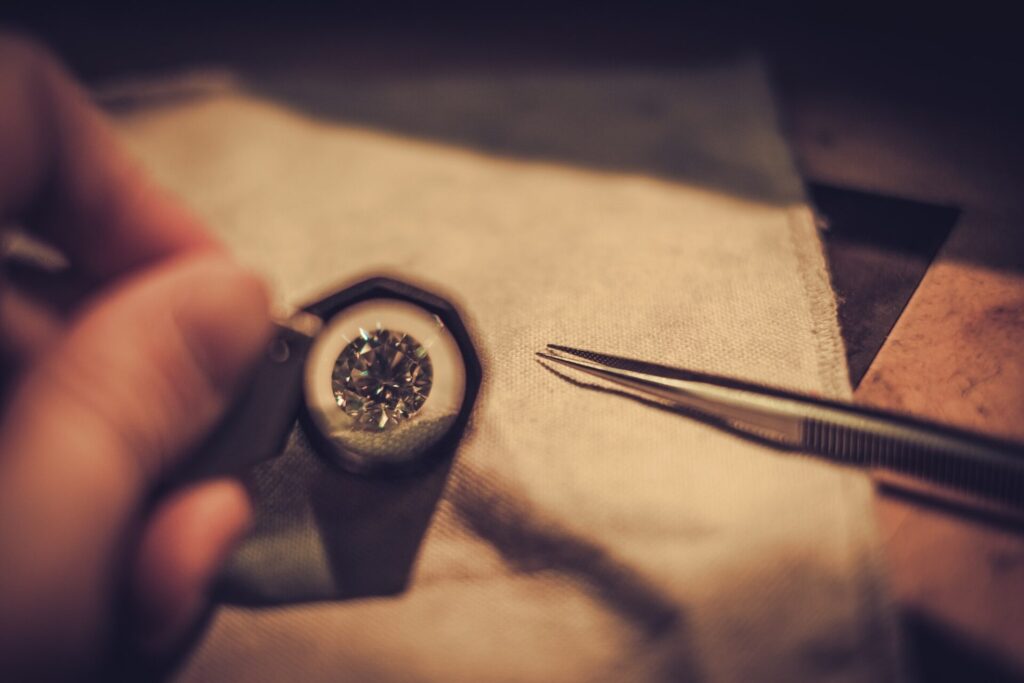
(382, 378)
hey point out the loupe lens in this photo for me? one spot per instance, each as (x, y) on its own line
(384, 382)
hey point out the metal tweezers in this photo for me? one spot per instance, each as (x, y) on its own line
(951, 465)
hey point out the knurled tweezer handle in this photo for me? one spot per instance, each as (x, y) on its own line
(993, 472)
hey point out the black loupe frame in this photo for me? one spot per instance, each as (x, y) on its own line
(388, 288)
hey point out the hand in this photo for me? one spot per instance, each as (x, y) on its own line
(108, 398)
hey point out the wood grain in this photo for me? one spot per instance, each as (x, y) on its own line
(956, 355)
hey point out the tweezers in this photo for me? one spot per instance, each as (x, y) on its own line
(951, 463)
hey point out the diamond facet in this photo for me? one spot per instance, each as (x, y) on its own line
(382, 378)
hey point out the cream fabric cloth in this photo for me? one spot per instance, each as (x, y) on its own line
(579, 536)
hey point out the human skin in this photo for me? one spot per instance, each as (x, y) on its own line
(105, 398)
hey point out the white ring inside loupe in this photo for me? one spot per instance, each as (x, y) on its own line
(412, 436)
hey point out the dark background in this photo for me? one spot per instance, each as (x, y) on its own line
(956, 68)
(935, 49)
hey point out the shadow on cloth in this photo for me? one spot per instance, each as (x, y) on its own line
(321, 533)
(633, 122)
(530, 542)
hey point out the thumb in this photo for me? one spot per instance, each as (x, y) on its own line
(141, 375)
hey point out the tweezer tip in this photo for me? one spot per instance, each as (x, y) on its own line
(555, 354)
(563, 351)
(557, 351)
(561, 348)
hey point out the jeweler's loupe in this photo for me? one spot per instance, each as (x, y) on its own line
(381, 374)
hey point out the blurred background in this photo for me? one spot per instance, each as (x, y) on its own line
(958, 63)
(864, 88)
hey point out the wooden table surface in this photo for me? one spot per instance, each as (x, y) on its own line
(955, 355)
